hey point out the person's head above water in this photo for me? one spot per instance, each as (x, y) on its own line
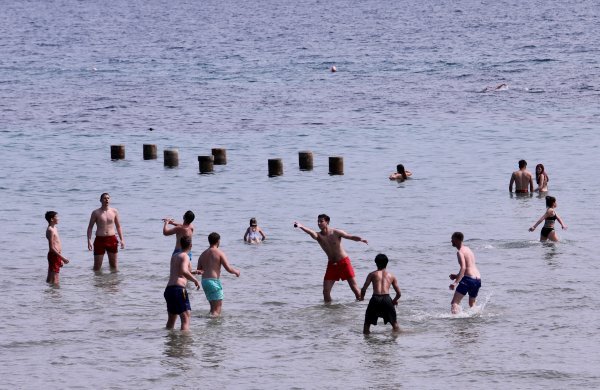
(522, 164)
(188, 217)
(550, 201)
(253, 222)
(214, 238)
(381, 260)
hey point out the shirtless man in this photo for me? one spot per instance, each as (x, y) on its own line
(338, 265)
(522, 178)
(381, 304)
(106, 219)
(178, 302)
(55, 257)
(185, 229)
(209, 265)
(468, 278)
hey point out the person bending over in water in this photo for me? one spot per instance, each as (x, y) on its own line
(549, 218)
(185, 229)
(541, 178)
(401, 174)
(522, 178)
(381, 304)
(338, 265)
(55, 257)
(468, 279)
(254, 234)
(209, 265)
(176, 295)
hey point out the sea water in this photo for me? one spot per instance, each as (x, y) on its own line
(77, 77)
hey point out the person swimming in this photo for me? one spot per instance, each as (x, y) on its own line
(401, 174)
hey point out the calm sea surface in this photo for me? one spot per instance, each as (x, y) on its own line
(252, 77)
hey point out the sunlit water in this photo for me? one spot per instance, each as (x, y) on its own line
(78, 77)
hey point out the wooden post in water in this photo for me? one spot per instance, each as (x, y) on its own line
(275, 167)
(117, 152)
(336, 165)
(149, 152)
(205, 164)
(171, 158)
(220, 156)
(305, 160)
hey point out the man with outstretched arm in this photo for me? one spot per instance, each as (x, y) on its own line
(338, 264)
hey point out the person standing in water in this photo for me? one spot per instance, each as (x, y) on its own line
(381, 304)
(106, 219)
(549, 218)
(55, 258)
(522, 178)
(468, 279)
(185, 229)
(338, 264)
(541, 178)
(254, 234)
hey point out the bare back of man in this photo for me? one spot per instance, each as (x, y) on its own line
(522, 179)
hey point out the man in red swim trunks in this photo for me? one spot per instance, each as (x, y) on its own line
(522, 178)
(338, 266)
(106, 219)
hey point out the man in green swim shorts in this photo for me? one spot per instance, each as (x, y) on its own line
(209, 264)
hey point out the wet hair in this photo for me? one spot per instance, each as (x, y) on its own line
(400, 169)
(522, 164)
(185, 242)
(381, 260)
(458, 236)
(253, 221)
(324, 217)
(213, 238)
(188, 217)
(49, 215)
(550, 200)
(537, 177)
(104, 193)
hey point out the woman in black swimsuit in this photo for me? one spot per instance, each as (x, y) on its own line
(549, 218)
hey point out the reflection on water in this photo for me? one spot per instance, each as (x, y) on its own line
(465, 331)
(213, 353)
(550, 253)
(107, 281)
(178, 345)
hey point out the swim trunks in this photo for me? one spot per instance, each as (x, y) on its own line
(521, 191)
(212, 289)
(177, 299)
(469, 285)
(340, 270)
(545, 232)
(54, 262)
(380, 306)
(176, 251)
(104, 244)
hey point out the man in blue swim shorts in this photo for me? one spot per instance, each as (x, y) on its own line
(178, 302)
(209, 265)
(468, 279)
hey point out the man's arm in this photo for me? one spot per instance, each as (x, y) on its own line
(186, 270)
(530, 183)
(345, 235)
(306, 230)
(166, 230)
(90, 228)
(461, 273)
(119, 231)
(512, 181)
(228, 267)
(397, 289)
(363, 290)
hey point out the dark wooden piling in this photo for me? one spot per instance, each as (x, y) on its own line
(117, 152)
(336, 165)
(150, 152)
(171, 157)
(275, 167)
(305, 160)
(205, 164)
(220, 155)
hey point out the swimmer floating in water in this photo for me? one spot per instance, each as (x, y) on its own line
(499, 87)
(401, 174)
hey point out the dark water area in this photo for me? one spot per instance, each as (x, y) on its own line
(254, 78)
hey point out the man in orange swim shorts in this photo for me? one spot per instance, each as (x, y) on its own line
(106, 219)
(338, 265)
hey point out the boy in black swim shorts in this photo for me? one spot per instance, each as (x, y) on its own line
(381, 304)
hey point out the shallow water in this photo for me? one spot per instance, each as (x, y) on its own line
(78, 77)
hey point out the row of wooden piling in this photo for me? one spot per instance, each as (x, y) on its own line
(219, 157)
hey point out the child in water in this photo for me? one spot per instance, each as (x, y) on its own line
(254, 234)
(549, 218)
(381, 304)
